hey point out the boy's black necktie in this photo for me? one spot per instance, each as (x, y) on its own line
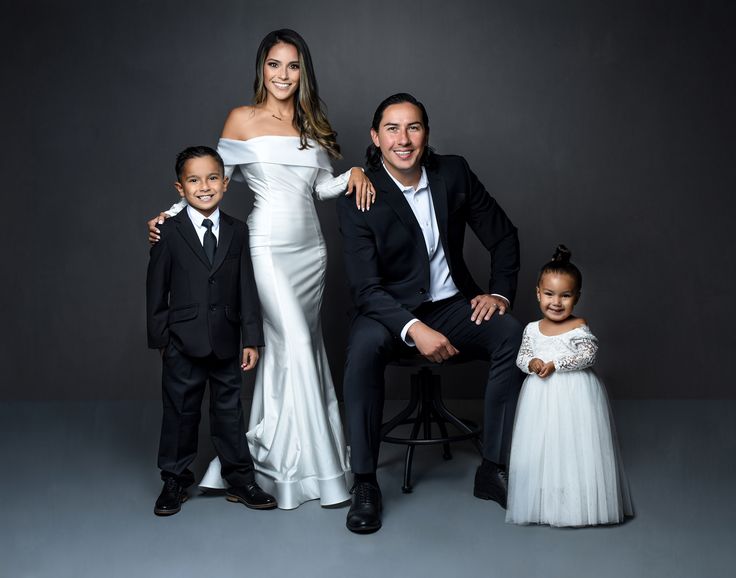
(210, 241)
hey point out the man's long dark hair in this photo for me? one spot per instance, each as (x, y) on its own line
(373, 153)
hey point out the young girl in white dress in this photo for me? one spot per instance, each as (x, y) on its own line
(565, 467)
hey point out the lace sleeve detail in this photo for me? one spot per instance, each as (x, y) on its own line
(585, 345)
(328, 187)
(526, 353)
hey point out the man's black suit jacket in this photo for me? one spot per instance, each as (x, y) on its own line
(385, 254)
(202, 309)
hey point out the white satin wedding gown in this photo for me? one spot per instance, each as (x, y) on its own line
(295, 433)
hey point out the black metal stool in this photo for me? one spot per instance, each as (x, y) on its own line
(426, 400)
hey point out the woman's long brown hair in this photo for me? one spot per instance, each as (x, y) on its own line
(309, 115)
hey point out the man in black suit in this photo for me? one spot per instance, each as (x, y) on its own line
(412, 288)
(201, 299)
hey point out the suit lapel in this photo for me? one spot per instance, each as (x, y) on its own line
(186, 230)
(439, 200)
(397, 201)
(223, 243)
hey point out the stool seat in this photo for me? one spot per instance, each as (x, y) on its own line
(425, 407)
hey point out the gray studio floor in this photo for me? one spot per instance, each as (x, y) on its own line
(79, 480)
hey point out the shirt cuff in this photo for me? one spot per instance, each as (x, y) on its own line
(508, 303)
(404, 337)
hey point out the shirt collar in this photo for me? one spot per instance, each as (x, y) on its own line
(408, 188)
(196, 217)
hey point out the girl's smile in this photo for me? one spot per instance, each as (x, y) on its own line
(557, 296)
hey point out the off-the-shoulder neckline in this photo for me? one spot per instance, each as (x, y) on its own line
(261, 136)
(584, 325)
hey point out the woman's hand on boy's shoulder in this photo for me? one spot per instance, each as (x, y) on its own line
(154, 234)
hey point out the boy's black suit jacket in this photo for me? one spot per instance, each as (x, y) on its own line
(385, 254)
(198, 308)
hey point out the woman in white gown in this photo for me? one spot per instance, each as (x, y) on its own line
(281, 147)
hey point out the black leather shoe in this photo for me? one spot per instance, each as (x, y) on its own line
(491, 483)
(252, 496)
(364, 516)
(172, 496)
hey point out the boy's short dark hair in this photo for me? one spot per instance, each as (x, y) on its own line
(194, 153)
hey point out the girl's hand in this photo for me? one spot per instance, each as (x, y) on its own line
(154, 235)
(365, 194)
(535, 365)
(547, 369)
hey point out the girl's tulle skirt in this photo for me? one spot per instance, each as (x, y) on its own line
(565, 467)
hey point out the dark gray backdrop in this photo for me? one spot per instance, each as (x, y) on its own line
(604, 125)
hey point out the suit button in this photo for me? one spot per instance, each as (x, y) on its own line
(213, 307)
(212, 281)
(422, 291)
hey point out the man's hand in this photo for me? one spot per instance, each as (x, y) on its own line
(250, 358)
(484, 306)
(154, 235)
(430, 343)
(541, 368)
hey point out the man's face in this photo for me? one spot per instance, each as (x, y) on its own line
(402, 138)
(202, 184)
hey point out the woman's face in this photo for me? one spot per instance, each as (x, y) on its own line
(281, 71)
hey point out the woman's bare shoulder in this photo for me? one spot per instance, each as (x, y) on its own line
(240, 123)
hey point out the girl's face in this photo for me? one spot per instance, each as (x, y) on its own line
(281, 71)
(557, 296)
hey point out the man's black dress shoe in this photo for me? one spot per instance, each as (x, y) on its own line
(252, 496)
(364, 516)
(172, 496)
(491, 483)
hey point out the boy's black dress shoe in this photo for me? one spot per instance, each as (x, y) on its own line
(252, 496)
(364, 516)
(172, 496)
(491, 483)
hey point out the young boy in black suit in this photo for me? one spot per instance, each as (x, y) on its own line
(201, 300)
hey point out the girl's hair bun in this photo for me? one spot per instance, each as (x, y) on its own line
(560, 263)
(562, 255)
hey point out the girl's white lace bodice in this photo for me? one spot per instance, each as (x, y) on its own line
(570, 351)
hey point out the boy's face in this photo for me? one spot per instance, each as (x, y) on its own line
(202, 184)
